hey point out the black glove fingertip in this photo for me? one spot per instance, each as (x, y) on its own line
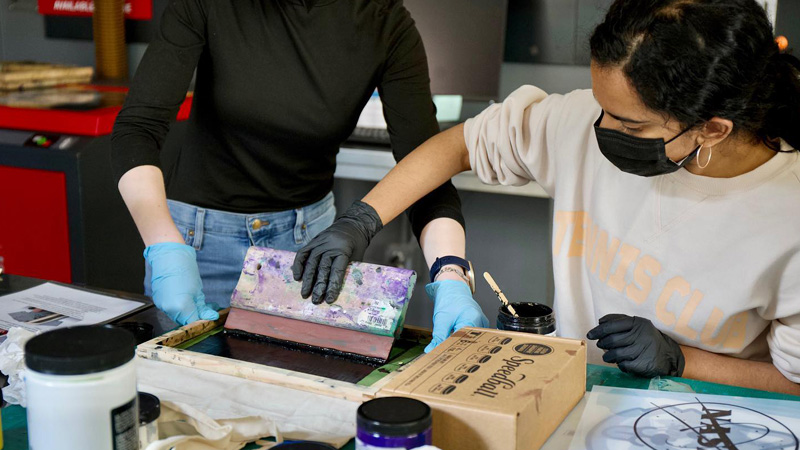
(338, 272)
(334, 288)
(299, 264)
(319, 293)
(595, 333)
(308, 283)
(332, 296)
(625, 366)
(318, 298)
(297, 271)
(613, 317)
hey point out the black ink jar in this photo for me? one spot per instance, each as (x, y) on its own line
(534, 318)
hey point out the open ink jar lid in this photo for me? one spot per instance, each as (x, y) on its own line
(534, 318)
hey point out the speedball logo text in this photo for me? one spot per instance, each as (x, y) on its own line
(504, 377)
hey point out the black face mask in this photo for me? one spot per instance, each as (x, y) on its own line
(639, 156)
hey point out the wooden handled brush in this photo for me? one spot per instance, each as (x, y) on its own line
(499, 293)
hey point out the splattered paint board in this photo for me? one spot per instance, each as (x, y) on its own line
(373, 300)
(271, 364)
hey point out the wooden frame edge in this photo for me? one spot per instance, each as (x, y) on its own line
(163, 349)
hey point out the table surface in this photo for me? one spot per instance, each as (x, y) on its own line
(15, 432)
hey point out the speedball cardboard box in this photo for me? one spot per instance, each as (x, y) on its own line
(498, 390)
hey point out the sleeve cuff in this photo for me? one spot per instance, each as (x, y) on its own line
(443, 202)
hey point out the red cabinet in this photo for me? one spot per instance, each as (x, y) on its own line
(33, 204)
(61, 215)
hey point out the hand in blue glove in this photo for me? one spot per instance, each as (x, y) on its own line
(637, 346)
(453, 308)
(175, 279)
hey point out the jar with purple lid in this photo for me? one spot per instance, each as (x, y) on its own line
(393, 423)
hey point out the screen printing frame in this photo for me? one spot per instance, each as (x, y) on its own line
(165, 348)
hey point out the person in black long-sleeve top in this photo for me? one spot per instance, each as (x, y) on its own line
(279, 85)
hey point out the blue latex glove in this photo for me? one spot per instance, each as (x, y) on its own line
(453, 308)
(175, 279)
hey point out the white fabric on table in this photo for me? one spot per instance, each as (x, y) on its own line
(247, 407)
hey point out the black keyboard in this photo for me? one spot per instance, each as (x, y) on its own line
(371, 136)
(380, 136)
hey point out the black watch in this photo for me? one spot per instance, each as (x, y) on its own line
(455, 260)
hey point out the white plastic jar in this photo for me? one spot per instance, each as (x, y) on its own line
(81, 389)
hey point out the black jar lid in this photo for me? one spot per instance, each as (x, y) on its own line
(79, 350)
(394, 416)
(149, 408)
(529, 312)
(142, 331)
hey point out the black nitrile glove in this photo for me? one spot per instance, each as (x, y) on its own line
(637, 346)
(322, 263)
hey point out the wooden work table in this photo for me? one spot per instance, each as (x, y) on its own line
(14, 419)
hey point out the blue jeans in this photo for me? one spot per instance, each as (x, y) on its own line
(221, 239)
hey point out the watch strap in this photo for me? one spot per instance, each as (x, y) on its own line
(447, 260)
(458, 273)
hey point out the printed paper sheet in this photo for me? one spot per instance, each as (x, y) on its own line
(50, 306)
(623, 419)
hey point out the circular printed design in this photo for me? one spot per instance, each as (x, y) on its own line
(709, 425)
(532, 349)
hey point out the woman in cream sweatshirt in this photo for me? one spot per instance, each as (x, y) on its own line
(676, 189)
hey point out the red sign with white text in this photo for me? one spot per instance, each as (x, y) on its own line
(134, 9)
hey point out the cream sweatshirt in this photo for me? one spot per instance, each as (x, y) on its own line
(713, 262)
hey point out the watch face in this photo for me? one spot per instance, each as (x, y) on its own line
(471, 275)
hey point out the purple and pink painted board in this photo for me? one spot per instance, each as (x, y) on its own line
(374, 298)
(323, 338)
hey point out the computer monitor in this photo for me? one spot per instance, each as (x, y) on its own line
(464, 40)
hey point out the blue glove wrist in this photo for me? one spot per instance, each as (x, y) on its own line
(453, 309)
(451, 286)
(175, 280)
(155, 250)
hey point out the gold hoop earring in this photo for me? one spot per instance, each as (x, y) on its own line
(710, 151)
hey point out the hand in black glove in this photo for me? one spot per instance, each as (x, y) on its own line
(637, 346)
(322, 263)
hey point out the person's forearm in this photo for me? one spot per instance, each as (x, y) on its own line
(142, 188)
(443, 237)
(715, 368)
(426, 168)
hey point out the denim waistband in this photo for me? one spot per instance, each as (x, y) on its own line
(236, 224)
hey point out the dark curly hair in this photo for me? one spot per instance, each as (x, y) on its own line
(699, 59)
